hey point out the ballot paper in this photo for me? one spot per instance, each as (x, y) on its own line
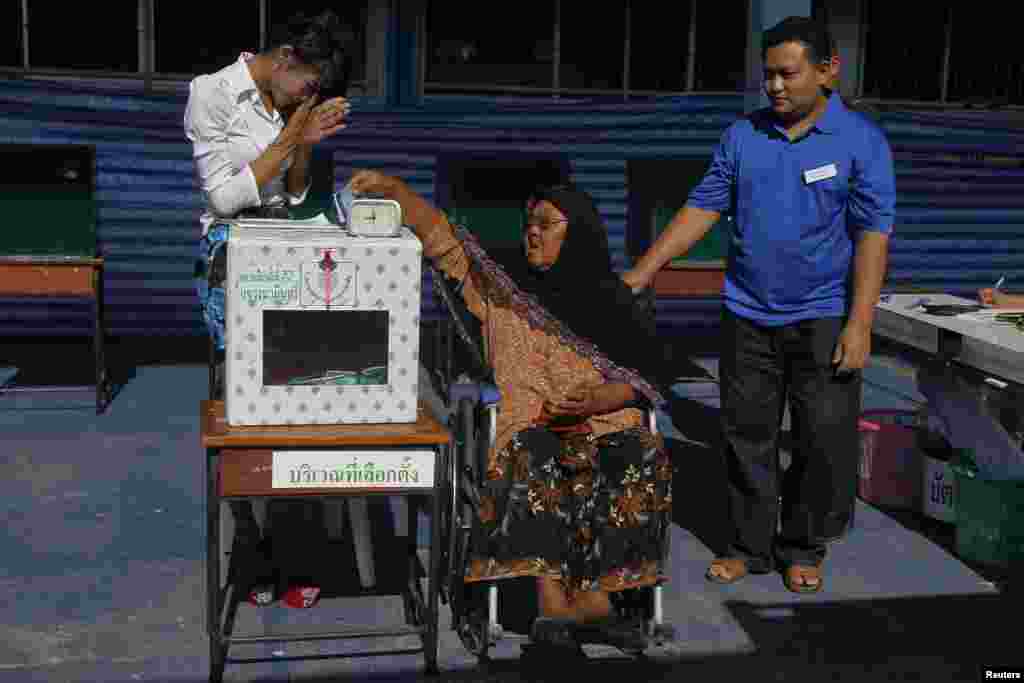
(321, 219)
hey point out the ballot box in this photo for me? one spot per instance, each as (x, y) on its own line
(321, 327)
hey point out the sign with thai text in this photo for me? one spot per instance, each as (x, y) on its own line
(406, 469)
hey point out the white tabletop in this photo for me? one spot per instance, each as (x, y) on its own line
(993, 348)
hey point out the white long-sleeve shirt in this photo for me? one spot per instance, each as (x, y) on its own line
(229, 127)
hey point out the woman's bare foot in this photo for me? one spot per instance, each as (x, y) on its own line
(590, 611)
(592, 606)
(552, 600)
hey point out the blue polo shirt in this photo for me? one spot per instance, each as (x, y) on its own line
(798, 208)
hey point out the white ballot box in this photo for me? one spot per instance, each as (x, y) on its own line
(321, 327)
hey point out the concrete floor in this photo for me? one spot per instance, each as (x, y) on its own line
(103, 566)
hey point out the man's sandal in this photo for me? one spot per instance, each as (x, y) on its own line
(729, 570)
(801, 578)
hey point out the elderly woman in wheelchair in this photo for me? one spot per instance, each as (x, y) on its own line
(576, 487)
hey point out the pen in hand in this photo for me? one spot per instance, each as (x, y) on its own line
(988, 296)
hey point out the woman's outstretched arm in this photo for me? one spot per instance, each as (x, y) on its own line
(431, 227)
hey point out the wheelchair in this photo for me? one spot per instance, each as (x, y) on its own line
(472, 399)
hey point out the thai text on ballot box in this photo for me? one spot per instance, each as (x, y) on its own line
(322, 327)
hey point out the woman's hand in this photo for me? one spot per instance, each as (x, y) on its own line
(998, 299)
(374, 182)
(587, 400)
(636, 280)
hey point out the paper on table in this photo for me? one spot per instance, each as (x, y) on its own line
(988, 315)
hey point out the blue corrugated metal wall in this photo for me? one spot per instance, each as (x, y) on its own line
(960, 225)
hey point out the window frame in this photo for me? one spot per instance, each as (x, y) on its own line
(146, 40)
(943, 102)
(556, 90)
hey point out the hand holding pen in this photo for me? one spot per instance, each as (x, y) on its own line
(992, 296)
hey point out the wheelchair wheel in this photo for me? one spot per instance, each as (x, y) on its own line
(474, 628)
(462, 427)
(470, 622)
(466, 439)
(455, 522)
(473, 634)
(414, 602)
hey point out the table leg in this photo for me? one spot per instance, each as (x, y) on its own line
(449, 352)
(415, 603)
(362, 539)
(98, 339)
(433, 585)
(212, 350)
(213, 559)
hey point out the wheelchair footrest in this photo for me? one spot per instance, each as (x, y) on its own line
(626, 635)
(663, 633)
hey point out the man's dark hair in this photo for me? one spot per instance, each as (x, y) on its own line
(812, 34)
(324, 42)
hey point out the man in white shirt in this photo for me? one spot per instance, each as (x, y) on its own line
(246, 154)
(252, 126)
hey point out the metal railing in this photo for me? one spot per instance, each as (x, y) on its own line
(441, 88)
(150, 81)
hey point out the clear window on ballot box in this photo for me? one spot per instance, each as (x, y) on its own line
(325, 347)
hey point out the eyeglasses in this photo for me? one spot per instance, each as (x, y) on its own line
(543, 225)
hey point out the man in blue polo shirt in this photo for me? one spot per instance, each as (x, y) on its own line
(811, 187)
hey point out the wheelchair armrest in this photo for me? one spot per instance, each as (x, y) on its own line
(650, 418)
(486, 396)
(477, 392)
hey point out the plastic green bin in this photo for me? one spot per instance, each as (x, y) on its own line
(989, 516)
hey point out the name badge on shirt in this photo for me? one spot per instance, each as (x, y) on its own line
(820, 173)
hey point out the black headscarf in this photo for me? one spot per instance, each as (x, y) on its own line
(583, 292)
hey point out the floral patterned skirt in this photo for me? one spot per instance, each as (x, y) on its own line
(593, 512)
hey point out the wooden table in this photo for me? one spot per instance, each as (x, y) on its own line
(259, 462)
(71, 276)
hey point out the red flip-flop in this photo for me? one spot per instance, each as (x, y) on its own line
(301, 597)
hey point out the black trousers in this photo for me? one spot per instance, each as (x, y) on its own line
(761, 369)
